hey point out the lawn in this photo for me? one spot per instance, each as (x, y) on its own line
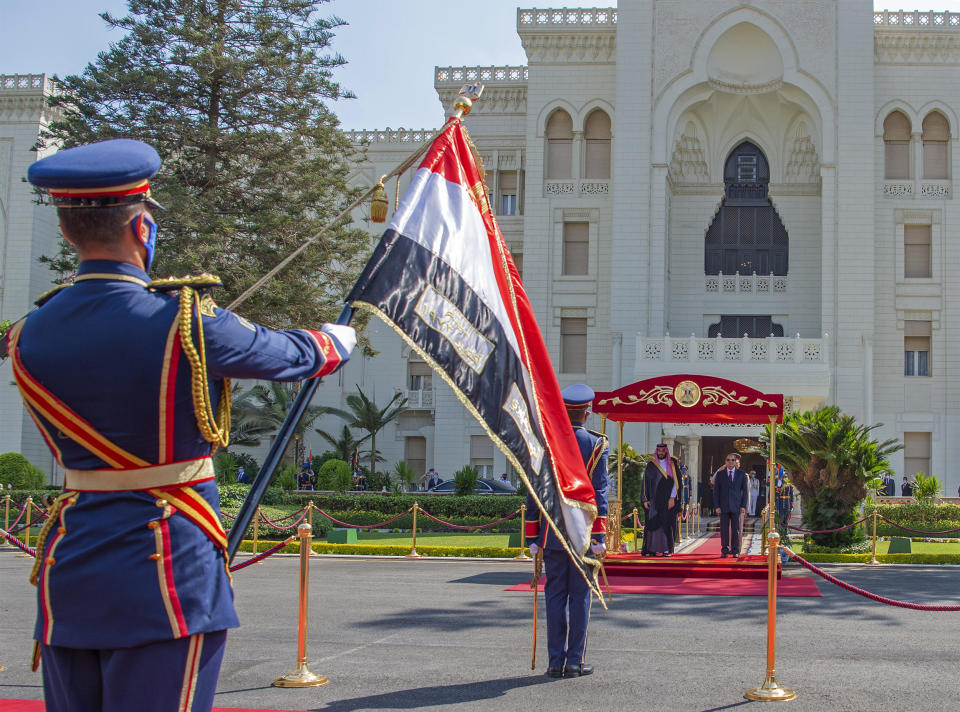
(924, 547)
(436, 539)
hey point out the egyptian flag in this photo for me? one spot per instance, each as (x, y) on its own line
(443, 278)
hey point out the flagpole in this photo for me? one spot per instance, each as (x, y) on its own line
(299, 405)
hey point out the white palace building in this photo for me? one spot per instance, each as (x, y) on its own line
(761, 191)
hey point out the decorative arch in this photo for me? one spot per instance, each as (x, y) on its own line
(674, 100)
(589, 107)
(746, 235)
(948, 113)
(548, 109)
(891, 106)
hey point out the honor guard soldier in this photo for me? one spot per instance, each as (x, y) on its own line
(128, 380)
(566, 592)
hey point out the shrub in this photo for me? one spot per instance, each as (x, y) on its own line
(286, 477)
(335, 475)
(225, 467)
(465, 479)
(15, 469)
(405, 474)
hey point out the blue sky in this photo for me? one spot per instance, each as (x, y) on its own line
(392, 46)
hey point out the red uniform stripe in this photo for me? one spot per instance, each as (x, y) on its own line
(531, 529)
(327, 350)
(168, 579)
(599, 525)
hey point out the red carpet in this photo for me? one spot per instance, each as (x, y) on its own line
(797, 586)
(37, 706)
(702, 561)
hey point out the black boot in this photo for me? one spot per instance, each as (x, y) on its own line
(577, 670)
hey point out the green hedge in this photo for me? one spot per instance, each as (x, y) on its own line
(387, 549)
(883, 558)
(923, 517)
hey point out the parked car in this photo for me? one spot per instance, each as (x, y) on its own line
(482, 487)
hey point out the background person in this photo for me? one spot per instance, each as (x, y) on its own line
(137, 620)
(730, 501)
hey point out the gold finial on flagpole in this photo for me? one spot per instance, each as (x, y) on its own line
(468, 94)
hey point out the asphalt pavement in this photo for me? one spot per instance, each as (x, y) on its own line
(432, 634)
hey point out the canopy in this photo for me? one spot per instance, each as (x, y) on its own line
(688, 398)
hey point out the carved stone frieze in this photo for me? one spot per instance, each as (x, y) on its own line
(916, 47)
(495, 99)
(688, 163)
(803, 165)
(579, 48)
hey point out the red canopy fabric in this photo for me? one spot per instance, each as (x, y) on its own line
(688, 398)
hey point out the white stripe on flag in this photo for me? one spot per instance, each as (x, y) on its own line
(440, 216)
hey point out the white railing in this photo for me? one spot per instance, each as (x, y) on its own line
(922, 19)
(576, 187)
(487, 75)
(745, 283)
(567, 17)
(420, 399)
(20, 82)
(771, 349)
(389, 135)
(935, 189)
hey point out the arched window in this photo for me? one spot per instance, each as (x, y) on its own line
(747, 235)
(936, 137)
(559, 145)
(896, 146)
(597, 134)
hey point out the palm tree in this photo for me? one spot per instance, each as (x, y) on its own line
(259, 412)
(343, 445)
(367, 416)
(831, 460)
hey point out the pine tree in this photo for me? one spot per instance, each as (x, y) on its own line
(232, 94)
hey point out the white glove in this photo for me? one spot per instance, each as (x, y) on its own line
(598, 547)
(534, 549)
(346, 336)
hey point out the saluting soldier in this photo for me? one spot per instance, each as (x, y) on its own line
(128, 382)
(566, 592)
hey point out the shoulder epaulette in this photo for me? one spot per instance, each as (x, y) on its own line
(200, 281)
(598, 434)
(50, 294)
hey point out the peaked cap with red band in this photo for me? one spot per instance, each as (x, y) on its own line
(98, 175)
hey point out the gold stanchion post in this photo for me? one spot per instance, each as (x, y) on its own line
(6, 517)
(636, 525)
(522, 556)
(256, 531)
(302, 677)
(873, 557)
(413, 550)
(310, 508)
(26, 534)
(770, 690)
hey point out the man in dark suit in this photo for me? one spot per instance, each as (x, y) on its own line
(889, 487)
(730, 496)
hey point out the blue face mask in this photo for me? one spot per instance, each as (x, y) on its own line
(150, 243)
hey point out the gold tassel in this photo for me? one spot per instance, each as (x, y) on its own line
(378, 204)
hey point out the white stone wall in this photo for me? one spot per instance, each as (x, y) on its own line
(27, 231)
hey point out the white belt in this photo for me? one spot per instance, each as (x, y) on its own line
(140, 478)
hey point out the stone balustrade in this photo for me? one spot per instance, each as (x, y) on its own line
(773, 350)
(745, 283)
(567, 17)
(486, 75)
(388, 135)
(920, 19)
(420, 399)
(22, 82)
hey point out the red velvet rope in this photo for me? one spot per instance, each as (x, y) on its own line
(19, 517)
(827, 531)
(364, 526)
(276, 524)
(472, 528)
(262, 555)
(42, 512)
(866, 594)
(19, 544)
(916, 531)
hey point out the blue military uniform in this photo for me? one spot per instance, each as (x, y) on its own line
(566, 592)
(784, 494)
(123, 377)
